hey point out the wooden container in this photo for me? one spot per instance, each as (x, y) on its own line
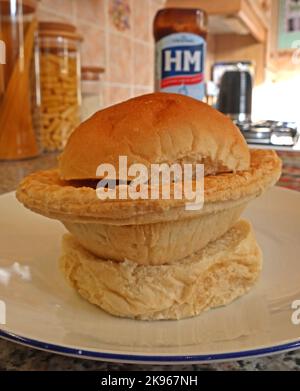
(17, 31)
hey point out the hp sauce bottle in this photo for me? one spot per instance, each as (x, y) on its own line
(180, 51)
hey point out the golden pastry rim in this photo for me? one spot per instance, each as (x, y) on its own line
(44, 193)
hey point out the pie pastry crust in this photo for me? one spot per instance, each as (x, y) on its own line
(45, 193)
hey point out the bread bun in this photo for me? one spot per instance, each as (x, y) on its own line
(215, 276)
(155, 128)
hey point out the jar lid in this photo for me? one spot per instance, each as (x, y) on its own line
(91, 72)
(58, 29)
(28, 6)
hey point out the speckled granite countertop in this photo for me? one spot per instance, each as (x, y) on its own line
(16, 357)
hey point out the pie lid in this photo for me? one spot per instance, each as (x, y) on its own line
(90, 73)
(58, 29)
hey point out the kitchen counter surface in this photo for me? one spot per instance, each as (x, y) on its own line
(16, 357)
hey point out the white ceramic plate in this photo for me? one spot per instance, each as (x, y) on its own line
(42, 311)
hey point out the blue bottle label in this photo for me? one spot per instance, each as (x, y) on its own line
(180, 62)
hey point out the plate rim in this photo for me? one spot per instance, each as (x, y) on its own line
(148, 358)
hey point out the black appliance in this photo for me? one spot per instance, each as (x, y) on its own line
(235, 95)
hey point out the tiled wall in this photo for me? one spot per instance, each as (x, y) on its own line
(126, 51)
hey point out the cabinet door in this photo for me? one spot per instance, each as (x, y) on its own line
(264, 8)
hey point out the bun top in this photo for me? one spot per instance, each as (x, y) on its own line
(155, 128)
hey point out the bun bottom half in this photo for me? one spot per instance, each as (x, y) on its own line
(215, 276)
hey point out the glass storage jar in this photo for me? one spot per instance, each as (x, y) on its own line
(59, 94)
(17, 31)
(92, 91)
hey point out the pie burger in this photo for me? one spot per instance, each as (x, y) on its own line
(155, 258)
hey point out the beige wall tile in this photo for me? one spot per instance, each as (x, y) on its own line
(93, 46)
(114, 94)
(141, 28)
(114, 21)
(128, 56)
(46, 15)
(120, 59)
(142, 91)
(92, 11)
(143, 64)
(59, 6)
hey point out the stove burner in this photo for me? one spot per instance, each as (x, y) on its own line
(270, 133)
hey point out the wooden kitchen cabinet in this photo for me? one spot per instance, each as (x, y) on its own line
(244, 30)
(243, 17)
(238, 30)
(279, 62)
(263, 8)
